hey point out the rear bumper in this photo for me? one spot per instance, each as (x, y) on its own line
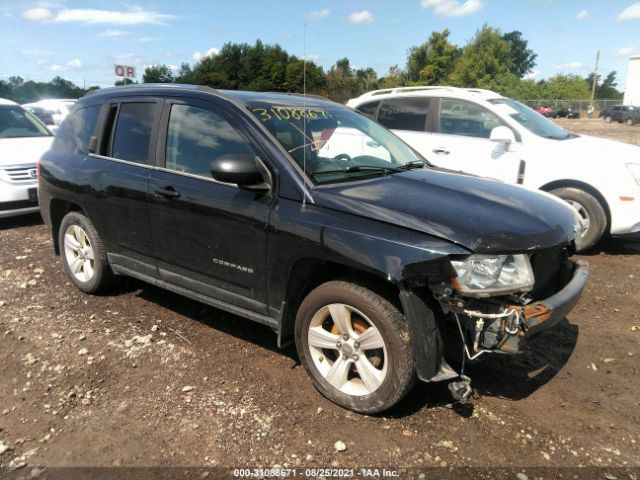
(547, 313)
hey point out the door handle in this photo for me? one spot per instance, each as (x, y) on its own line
(167, 192)
(441, 151)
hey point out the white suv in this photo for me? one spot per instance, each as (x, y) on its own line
(483, 133)
(23, 139)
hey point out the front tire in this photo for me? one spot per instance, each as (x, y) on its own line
(590, 210)
(629, 122)
(83, 254)
(608, 119)
(355, 346)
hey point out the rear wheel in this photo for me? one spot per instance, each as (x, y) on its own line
(629, 122)
(608, 119)
(355, 346)
(594, 218)
(84, 257)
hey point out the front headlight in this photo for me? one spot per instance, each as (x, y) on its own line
(634, 168)
(487, 275)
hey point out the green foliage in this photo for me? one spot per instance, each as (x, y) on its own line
(18, 90)
(485, 57)
(607, 88)
(432, 62)
(395, 77)
(157, 74)
(123, 81)
(522, 59)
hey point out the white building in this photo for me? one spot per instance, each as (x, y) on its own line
(632, 92)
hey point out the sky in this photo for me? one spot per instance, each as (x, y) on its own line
(83, 40)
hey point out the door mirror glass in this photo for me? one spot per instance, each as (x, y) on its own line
(502, 135)
(238, 168)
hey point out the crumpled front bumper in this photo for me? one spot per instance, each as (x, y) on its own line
(544, 314)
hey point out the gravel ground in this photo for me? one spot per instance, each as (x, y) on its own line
(143, 377)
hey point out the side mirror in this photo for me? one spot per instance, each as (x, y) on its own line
(241, 169)
(502, 134)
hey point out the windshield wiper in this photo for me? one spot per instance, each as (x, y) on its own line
(413, 164)
(358, 168)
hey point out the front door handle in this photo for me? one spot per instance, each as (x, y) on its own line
(168, 192)
(441, 151)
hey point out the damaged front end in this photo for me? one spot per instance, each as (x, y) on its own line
(499, 302)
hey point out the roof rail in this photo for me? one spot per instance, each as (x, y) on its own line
(407, 89)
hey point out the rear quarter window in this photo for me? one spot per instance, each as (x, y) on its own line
(85, 126)
(65, 138)
(404, 113)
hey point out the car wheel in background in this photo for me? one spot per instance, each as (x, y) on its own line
(594, 218)
(608, 119)
(355, 346)
(629, 122)
(83, 254)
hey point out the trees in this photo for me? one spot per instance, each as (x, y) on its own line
(606, 89)
(485, 57)
(432, 62)
(158, 74)
(522, 59)
(17, 89)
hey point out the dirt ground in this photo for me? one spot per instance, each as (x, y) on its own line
(143, 377)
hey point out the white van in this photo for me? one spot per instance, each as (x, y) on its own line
(483, 133)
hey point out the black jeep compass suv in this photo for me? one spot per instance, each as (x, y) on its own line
(301, 214)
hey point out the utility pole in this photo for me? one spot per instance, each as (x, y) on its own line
(595, 81)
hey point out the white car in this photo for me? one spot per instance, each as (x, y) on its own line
(23, 139)
(57, 107)
(483, 133)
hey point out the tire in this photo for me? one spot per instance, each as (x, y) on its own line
(78, 242)
(629, 122)
(608, 119)
(317, 336)
(590, 209)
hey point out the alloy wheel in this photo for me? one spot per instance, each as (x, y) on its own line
(79, 253)
(347, 349)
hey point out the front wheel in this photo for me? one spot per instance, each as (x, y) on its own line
(629, 122)
(355, 346)
(608, 119)
(83, 255)
(592, 214)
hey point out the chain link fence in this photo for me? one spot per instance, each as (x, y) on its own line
(571, 108)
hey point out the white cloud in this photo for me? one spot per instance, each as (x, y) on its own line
(625, 51)
(135, 16)
(632, 12)
(212, 52)
(37, 14)
(74, 64)
(314, 57)
(452, 8)
(583, 14)
(532, 75)
(146, 39)
(317, 14)
(364, 16)
(567, 66)
(113, 33)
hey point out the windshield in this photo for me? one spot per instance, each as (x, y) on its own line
(530, 119)
(17, 122)
(333, 143)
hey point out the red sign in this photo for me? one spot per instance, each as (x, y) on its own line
(124, 71)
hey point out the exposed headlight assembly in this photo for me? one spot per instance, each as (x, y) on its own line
(488, 275)
(634, 168)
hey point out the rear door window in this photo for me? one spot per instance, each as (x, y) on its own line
(405, 113)
(133, 130)
(369, 109)
(196, 136)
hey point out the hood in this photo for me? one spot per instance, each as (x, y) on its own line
(595, 147)
(480, 214)
(23, 150)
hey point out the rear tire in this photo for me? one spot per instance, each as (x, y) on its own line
(629, 122)
(83, 254)
(608, 119)
(355, 346)
(591, 211)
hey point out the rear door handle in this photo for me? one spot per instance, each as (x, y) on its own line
(168, 192)
(441, 151)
